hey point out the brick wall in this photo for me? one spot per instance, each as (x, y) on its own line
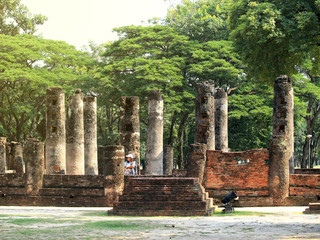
(243, 172)
(59, 190)
(304, 185)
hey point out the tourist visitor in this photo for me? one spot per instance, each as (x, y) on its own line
(130, 165)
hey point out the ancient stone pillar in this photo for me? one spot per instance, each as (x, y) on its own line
(204, 132)
(2, 155)
(167, 160)
(113, 158)
(75, 134)
(16, 153)
(55, 132)
(8, 157)
(100, 160)
(130, 126)
(154, 153)
(197, 161)
(90, 135)
(221, 119)
(34, 157)
(281, 147)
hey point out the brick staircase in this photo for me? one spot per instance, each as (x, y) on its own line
(314, 208)
(163, 196)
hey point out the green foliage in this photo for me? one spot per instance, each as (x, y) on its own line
(16, 19)
(250, 117)
(202, 20)
(273, 37)
(28, 66)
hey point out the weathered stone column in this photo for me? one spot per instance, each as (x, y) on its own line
(154, 153)
(130, 126)
(167, 160)
(34, 157)
(113, 164)
(221, 119)
(75, 134)
(8, 156)
(197, 161)
(281, 147)
(90, 135)
(17, 162)
(3, 155)
(55, 132)
(204, 132)
(100, 160)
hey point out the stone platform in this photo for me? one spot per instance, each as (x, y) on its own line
(314, 208)
(163, 196)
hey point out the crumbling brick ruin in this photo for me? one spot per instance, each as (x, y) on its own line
(130, 126)
(75, 134)
(260, 177)
(90, 135)
(55, 132)
(221, 119)
(154, 154)
(205, 127)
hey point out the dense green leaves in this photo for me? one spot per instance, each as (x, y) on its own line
(16, 19)
(28, 66)
(273, 37)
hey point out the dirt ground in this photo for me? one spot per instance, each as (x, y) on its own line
(93, 223)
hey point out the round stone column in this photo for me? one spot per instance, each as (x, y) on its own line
(90, 135)
(17, 162)
(282, 144)
(55, 132)
(130, 126)
(154, 153)
(2, 155)
(75, 134)
(197, 161)
(204, 125)
(113, 158)
(167, 160)
(34, 157)
(221, 119)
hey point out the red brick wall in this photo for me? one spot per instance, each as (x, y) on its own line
(243, 172)
(304, 185)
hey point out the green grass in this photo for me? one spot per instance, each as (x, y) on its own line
(117, 225)
(218, 213)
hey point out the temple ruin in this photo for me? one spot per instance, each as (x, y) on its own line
(261, 177)
(154, 153)
(205, 121)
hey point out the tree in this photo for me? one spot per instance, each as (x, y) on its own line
(273, 37)
(28, 66)
(282, 37)
(16, 19)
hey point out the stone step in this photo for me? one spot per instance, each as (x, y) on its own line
(121, 212)
(314, 206)
(161, 192)
(4, 191)
(163, 196)
(185, 197)
(71, 192)
(163, 181)
(164, 205)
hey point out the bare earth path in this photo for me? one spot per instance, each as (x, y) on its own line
(93, 223)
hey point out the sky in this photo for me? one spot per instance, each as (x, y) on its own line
(79, 21)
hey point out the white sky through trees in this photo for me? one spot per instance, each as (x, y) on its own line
(78, 21)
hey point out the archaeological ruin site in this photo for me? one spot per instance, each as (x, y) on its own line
(69, 169)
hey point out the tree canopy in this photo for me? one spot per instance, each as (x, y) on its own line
(273, 37)
(16, 19)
